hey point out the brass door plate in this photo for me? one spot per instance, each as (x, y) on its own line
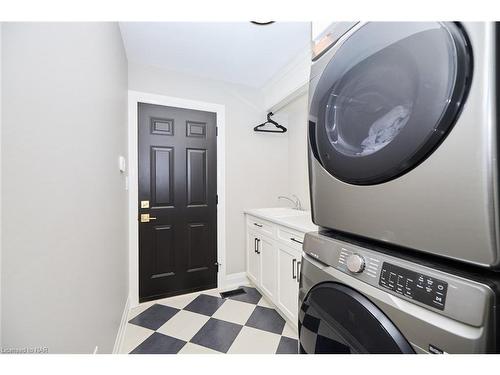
(144, 204)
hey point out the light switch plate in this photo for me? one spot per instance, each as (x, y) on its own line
(122, 164)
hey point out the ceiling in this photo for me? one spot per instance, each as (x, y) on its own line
(236, 52)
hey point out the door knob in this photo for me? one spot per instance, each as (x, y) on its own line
(145, 218)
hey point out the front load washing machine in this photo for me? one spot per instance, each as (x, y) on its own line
(356, 298)
(403, 137)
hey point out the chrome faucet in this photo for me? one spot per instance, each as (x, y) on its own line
(296, 201)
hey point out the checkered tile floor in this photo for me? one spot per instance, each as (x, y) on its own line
(204, 322)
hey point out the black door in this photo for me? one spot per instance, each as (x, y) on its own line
(337, 319)
(178, 189)
(387, 98)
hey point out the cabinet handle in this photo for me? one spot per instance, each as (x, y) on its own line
(298, 271)
(295, 240)
(255, 245)
(258, 225)
(294, 276)
(258, 242)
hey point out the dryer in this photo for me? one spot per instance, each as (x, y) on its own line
(403, 138)
(358, 298)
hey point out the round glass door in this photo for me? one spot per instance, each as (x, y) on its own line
(337, 319)
(387, 98)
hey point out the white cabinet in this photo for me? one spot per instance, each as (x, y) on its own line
(288, 285)
(261, 262)
(253, 260)
(273, 263)
(268, 256)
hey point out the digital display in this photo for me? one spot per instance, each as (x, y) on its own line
(414, 285)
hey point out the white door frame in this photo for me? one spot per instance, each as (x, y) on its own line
(135, 97)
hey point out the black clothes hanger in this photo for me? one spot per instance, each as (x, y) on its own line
(281, 128)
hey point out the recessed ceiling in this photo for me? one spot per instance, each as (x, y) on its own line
(236, 52)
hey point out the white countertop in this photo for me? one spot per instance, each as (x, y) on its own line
(288, 217)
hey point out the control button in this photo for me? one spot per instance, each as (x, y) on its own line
(399, 283)
(382, 275)
(438, 300)
(355, 263)
(440, 286)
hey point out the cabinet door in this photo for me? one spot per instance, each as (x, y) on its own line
(288, 286)
(268, 256)
(253, 263)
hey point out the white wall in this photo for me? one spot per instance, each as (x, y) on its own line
(291, 78)
(64, 264)
(282, 90)
(256, 163)
(298, 180)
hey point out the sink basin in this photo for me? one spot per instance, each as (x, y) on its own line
(280, 212)
(294, 219)
(303, 221)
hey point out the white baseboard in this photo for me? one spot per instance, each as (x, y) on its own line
(121, 329)
(231, 281)
(234, 280)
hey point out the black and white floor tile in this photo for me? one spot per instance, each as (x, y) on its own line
(203, 322)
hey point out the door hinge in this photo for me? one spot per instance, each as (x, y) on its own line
(216, 131)
(217, 264)
(216, 198)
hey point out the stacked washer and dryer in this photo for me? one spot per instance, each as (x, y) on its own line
(403, 167)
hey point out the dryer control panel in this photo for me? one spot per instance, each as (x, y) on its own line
(414, 285)
(420, 284)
